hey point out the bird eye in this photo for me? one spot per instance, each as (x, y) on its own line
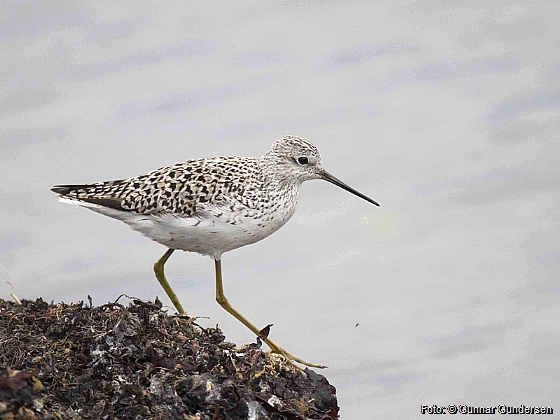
(303, 160)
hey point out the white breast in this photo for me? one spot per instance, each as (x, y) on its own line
(215, 231)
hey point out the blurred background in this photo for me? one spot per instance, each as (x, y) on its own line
(446, 113)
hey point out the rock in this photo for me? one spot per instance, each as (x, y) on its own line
(72, 361)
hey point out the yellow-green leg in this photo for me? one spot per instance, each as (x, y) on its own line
(222, 300)
(160, 275)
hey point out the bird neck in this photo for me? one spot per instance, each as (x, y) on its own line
(277, 174)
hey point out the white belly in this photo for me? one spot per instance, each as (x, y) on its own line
(209, 236)
(213, 234)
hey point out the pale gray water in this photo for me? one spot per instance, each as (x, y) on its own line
(447, 115)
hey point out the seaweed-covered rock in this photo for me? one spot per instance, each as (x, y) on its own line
(73, 361)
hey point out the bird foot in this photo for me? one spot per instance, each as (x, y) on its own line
(290, 358)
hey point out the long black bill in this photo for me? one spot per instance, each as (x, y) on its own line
(333, 180)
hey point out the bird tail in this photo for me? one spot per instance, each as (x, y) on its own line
(71, 190)
(91, 195)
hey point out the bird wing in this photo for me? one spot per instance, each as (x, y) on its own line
(184, 189)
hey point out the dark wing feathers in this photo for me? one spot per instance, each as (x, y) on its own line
(179, 189)
(91, 193)
(66, 189)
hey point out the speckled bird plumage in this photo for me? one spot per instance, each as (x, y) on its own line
(210, 205)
